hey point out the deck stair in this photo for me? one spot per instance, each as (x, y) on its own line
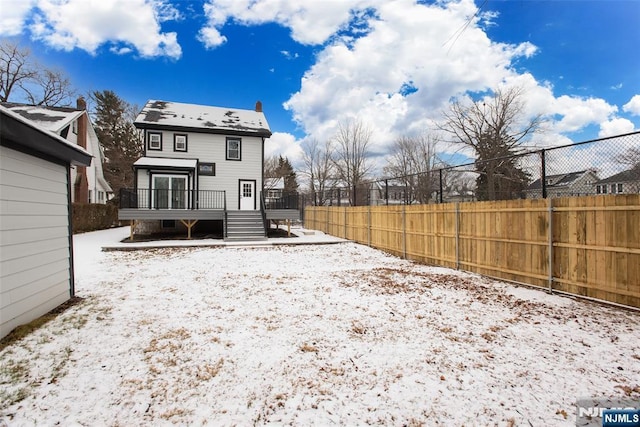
(245, 226)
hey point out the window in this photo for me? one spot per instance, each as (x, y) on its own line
(613, 188)
(234, 149)
(604, 189)
(619, 188)
(207, 169)
(179, 142)
(598, 189)
(247, 190)
(168, 223)
(74, 127)
(154, 141)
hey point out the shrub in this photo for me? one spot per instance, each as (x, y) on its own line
(90, 217)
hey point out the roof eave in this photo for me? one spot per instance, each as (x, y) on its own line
(263, 132)
(18, 131)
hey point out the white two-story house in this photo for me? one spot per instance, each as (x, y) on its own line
(200, 164)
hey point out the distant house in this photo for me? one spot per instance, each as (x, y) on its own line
(201, 164)
(625, 182)
(74, 125)
(36, 263)
(564, 185)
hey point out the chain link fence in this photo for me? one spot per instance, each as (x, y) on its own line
(602, 166)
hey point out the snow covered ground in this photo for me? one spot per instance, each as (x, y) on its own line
(310, 335)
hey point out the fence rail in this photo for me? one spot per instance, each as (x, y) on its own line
(587, 246)
(603, 166)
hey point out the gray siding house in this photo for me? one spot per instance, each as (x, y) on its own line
(564, 185)
(625, 182)
(36, 250)
(200, 163)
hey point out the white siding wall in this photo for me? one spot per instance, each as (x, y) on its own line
(212, 148)
(34, 238)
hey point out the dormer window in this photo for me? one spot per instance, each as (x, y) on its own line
(154, 141)
(179, 142)
(74, 127)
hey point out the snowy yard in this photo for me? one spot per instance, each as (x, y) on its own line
(310, 335)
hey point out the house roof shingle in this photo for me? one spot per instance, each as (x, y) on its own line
(629, 175)
(559, 180)
(50, 118)
(201, 118)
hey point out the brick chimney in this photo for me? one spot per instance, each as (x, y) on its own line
(258, 107)
(81, 185)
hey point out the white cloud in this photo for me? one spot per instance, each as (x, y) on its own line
(616, 126)
(285, 145)
(408, 44)
(89, 24)
(311, 22)
(633, 106)
(13, 14)
(580, 112)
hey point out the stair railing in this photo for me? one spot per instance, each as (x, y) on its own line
(263, 210)
(226, 219)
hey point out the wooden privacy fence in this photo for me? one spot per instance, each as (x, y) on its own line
(586, 246)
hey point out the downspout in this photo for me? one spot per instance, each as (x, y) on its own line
(72, 284)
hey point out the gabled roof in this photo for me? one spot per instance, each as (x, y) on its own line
(624, 176)
(51, 118)
(201, 118)
(16, 131)
(559, 180)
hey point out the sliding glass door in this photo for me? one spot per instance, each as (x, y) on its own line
(169, 192)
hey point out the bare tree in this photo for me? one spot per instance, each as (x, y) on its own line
(413, 161)
(351, 156)
(630, 158)
(493, 128)
(318, 168)
(50, 88)
(270, 171)
(21, 76)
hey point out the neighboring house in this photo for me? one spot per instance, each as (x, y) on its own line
(36, 246)
(74, 125)
(564, 185)
(626, 182)
(200, 163)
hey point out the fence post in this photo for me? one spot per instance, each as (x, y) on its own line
(457, 236)
(326, 229)
(369, 226)
(345, 222)
(543, 174)
(440, 173)
(550, 250)
(386, 191)
(404, 231)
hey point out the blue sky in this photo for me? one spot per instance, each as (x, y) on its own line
(314, 64)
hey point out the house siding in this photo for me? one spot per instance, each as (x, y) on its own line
(35, 255)
(211, 148)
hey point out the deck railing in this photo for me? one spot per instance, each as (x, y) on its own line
(144, 198)
(283, 200)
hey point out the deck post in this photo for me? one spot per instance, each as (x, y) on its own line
(132, 227)
(189, 224)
